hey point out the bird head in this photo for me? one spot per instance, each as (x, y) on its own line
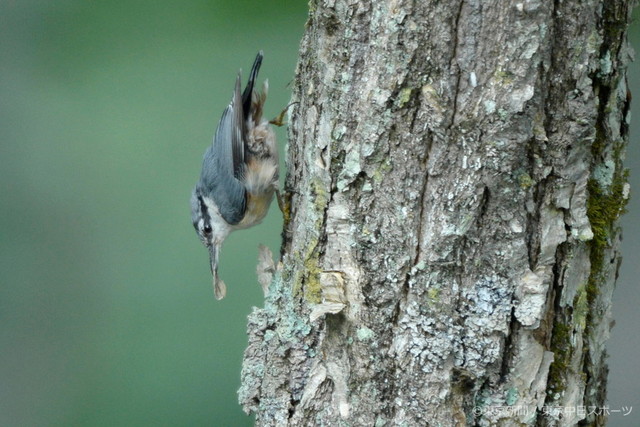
(212, 230)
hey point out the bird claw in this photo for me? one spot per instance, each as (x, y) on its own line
(284, 203)
(279, 119)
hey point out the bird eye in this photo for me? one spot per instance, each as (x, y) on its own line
(206, 229)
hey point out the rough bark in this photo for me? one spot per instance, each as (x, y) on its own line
(451, 245)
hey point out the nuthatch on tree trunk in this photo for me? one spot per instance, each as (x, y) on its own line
(239, 172)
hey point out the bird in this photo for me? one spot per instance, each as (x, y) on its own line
(239, 172)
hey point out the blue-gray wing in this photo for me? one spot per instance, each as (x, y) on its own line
(222, 180)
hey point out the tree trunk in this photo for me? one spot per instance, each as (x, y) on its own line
(451, 241)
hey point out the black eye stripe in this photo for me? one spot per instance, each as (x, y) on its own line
(203, 209)
(206, 219)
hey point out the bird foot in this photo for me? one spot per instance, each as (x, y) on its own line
(284, 203)
(279, 120)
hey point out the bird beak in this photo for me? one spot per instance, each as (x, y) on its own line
(219, 288)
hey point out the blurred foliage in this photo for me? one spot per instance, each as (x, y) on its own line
(106, 306)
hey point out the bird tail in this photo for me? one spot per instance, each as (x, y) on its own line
(248, 90)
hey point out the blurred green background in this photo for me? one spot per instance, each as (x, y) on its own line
(107, 315)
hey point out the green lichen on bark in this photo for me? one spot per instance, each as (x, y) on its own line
(606, 203)
(562, 351)
(312, 289)
(306, 282)
(282, 326)
(604, 207)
